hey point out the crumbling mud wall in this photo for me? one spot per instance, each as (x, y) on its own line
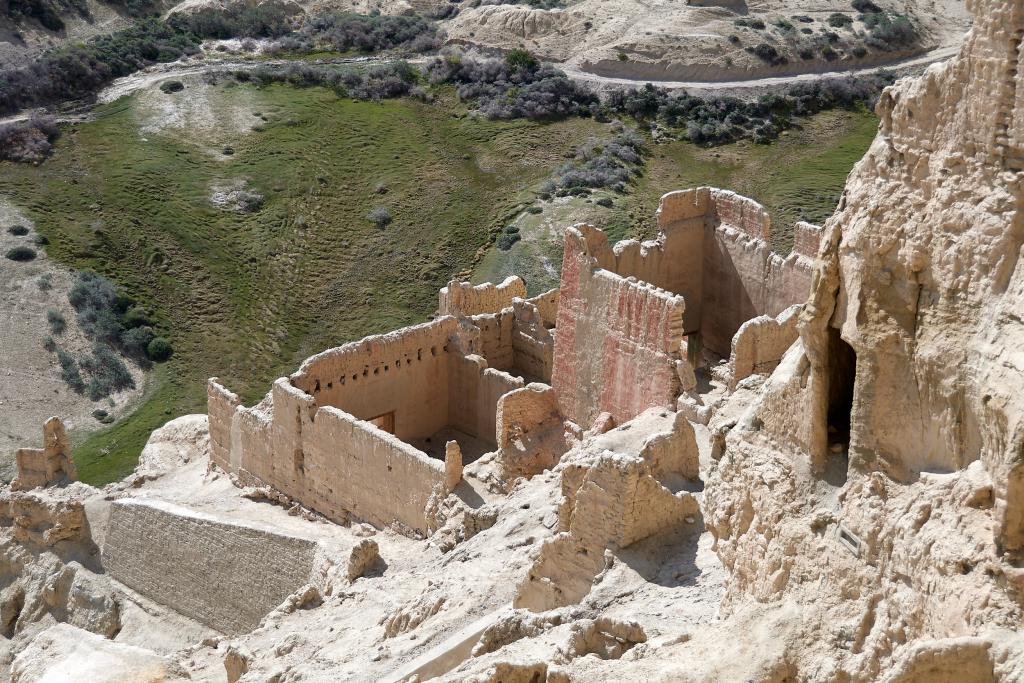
(51, 464)
(404, 372)
(222, 574)
(518, 339)
(462, 298)
(529, 432)
(713, 252)
(882, 458)
(474, 395)
(617, 341)
(761, 343)
(611, 500)
(336, 435)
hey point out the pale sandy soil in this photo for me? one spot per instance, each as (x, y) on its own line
(667, 40)
(31, 389)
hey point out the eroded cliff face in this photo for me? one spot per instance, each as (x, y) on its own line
(878, 479)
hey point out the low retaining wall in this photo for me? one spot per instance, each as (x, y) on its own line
(222, 574)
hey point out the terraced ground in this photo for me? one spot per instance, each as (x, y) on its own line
(246, 296)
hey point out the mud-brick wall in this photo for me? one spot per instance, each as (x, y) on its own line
(221, 405)
(617, 340)
(547, 306)
(462, 298)
(352, 465)
(473, 399)
(495, 340)
(222, 574)
(404, 371)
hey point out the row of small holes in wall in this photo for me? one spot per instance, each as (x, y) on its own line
(376, 371)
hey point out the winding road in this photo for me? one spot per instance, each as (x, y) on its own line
(939, 54)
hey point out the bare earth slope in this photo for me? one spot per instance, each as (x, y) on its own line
(664, 40)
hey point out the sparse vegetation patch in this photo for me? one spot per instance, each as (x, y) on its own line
(348, 31)
(30, 140)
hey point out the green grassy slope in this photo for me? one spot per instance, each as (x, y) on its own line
(800, 177)
(245, 297)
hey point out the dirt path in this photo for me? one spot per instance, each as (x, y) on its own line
(604, 82)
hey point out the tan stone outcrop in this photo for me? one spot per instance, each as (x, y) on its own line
(878, 477)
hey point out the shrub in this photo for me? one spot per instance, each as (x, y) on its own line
(45, 282)
(41, 240)
(247, 201)
(803, 18)
(503, 92)
(866, 6)
(135, 317)
(344, 31)
(17, 230)
(507, 240)
(103, 416)
(602, 164)
(767, 53)
(268, 20)
(107, 372)
(30, 140)
(135, 342)
(159, 350)
(623, 57)
(380, 216)
(49, 344)
(534, 210)
(783, 25)
(172, 86)
(859, 51)
(750, 23)
(828, 53)
(605, 202)
(839, 20)
(69, 371)
(378, 82)
(57, 321)
(521, 59)
(92, 292)
(78, 70)
(889, 33)
(21, 254)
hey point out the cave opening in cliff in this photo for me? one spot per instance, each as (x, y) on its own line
(842, 373)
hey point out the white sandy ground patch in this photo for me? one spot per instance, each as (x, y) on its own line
(204, 114)
(31, 389)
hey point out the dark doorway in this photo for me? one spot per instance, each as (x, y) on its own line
(842, 372)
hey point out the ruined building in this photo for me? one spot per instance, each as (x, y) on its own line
(696, 460)
(624, 332)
